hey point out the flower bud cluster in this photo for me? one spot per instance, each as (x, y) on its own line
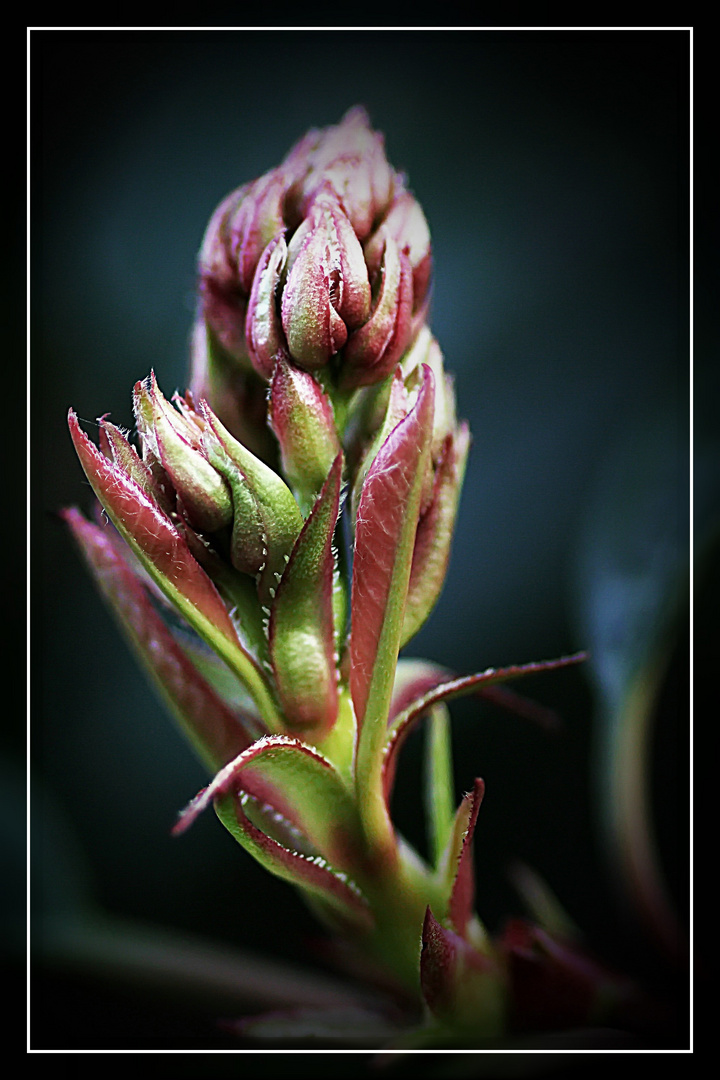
(314, 284)
(322, 262)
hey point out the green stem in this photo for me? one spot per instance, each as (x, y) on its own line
(438, 780)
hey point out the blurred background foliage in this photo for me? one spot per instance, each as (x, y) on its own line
(553, 170)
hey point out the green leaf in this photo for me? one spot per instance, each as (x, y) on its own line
(300, 785)
(301, 627)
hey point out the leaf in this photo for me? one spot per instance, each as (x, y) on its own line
(217, 732)
(384, 537)
(301, 628)
(166, 557)
(300, 785)
(435, 686)
(457, 862)
(311, 873)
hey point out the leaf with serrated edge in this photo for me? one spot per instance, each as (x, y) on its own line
(217, 732)
(431, 553)
(437, 687)
(301, 785)
(457, 862)
(311, 873)
(166, 557)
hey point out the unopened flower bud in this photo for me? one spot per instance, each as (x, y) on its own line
(204, 494)
(238, 233)
(352, 157)
(327, 291)
(266, 512)
(406, 224)
(302, 419)
(323, 261)
(373, 351)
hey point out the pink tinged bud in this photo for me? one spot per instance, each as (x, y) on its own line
(116, 447)
(351, 157)
(301, 628)
(215, 260)
(302, 419)
(264, 332)
(373, 350)
(327, 291)
(238, 233)
(433, 541)
(217, 732)
(257, 220)
(204, 493)
(406, 224)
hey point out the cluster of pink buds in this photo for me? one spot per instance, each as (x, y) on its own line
(314, 285)
(324, 261)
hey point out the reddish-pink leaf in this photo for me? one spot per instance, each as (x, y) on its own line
(462, 897)
(150, 530)
(433, 685)
(384, 536)
(218, 732)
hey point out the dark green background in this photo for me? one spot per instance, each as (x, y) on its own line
(552, 168)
